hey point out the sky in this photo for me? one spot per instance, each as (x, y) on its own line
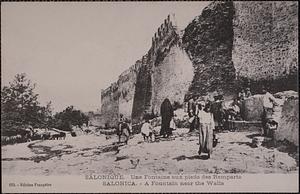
(72, 50)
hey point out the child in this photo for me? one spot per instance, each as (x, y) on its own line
(206, 127)
(147, 130)
(172, 124)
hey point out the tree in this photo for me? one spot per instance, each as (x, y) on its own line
(68, 117)
(20, 107)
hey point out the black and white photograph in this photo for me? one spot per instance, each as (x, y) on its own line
(175, 96)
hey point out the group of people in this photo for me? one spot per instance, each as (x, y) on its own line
(167, 123)
(147, 130)
(210, 116)
(205, 116)
(196, 104)
(224, 115)
(269, 125)
(244, 93)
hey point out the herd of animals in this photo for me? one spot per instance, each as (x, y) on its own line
(29, 137)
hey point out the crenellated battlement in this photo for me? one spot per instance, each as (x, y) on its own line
(145, 59)
(164, 35)
(167, 29)
(109, 90)
(105, 92)
(114, 86)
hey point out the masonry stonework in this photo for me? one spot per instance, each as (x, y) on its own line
(288, 128)
(208, 41)
(142, 95)
(265, 45)
(227, 43)
(110, 105)
(126, 87)
(172, 78)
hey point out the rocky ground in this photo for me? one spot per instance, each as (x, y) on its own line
(97, 153)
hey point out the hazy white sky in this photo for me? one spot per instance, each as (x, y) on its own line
(73, 50)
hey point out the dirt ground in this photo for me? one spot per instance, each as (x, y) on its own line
(101, 154)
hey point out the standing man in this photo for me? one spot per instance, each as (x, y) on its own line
(166, 111)
(124, 129)
(120, 124)
(217, 108)
(192, 112)
(206, 130)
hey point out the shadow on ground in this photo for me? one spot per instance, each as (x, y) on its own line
(197, 157)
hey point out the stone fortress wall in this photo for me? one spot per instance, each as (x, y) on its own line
(126, 89)
(265, 44)
(208, 41)
(133, 89)
(227, 42)
(110, 104)
(171, 68)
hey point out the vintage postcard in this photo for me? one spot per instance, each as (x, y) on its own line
(125, 97)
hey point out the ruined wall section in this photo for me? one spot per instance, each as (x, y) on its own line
(126, 88)
(135, 89)
(166, 71)
(142, 93)
(119, 96)
(208, 42)
(110, 105)
(265, 45)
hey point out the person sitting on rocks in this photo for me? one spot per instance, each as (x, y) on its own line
(242, 95)
(234, 110)
(248, 93)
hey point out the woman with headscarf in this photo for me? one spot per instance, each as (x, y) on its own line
(166, 111)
